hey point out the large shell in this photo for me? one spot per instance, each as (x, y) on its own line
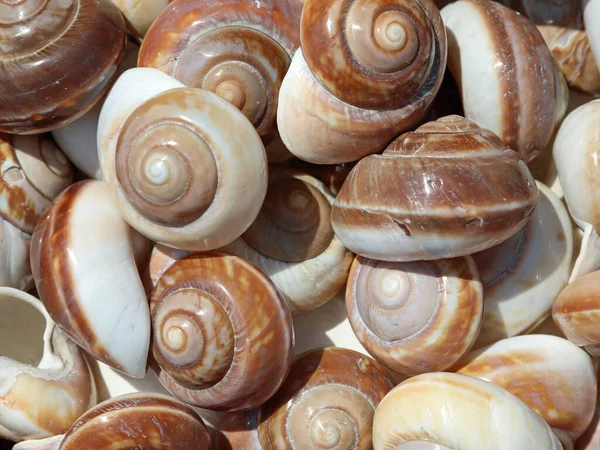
(523, 275)
(57, 59)
(415, 317)
(79, 139)
(591, 17)
(576, 153)
(551, 375)
(222, 334)
(134, 421)
(327, 401)
(240, 50)
(188, 181)
(448, 189)
(573, 54)
(367, 71)
(443, 411)
(564, 13)
(85, 272)
(140, 14)
(508, 79)
(45, 382)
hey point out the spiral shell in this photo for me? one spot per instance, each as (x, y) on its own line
(179, 174)
(572, 52)
(140, 14)
(327, 401)
(82, 258)
(552, 376)
(415, 317)
(332, 175)
(447, 189)
(563, 13)
(57, 59)
(577, 159)
(239, 50)
(45, 382)
(222, 334)
(508, 79)
(367, 70)
(523, 275)
(440, 411)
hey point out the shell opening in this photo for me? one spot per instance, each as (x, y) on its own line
(22, 329)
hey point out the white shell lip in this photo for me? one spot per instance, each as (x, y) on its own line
(588, 260)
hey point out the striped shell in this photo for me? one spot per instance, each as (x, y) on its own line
(552, 376)
(222, 335)
(84, 266)
(508, 79)
(448, 189)
(415, 317)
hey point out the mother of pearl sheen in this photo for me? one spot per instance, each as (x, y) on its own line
(395, 299)
(421, 445)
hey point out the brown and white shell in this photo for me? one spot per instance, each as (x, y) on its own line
(142, 420)
(222, 335)
(448, 189)
(57, 59)
(507, 76)
(415, 317)
(327, 401)
(186, 168)
(445, 411)
(367, 70)
(83, 262)
(551, 375)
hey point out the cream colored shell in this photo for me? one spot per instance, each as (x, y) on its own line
(591, 18)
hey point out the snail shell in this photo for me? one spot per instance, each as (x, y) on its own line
(508, 79)
(177, 171)
(327, 401)
(58, 58)
(415, 317)
(83, 264)
(448, 189)
(576, 312)
(444, 411)
(140, 14)
(577, 159)
(367, 70)
(45, 382)
(78, 139)
(552, 376)
(573, 54)
(332, 175)
(523, 275)
(563, 13)
(591, 17)
(142, 420)
(222, 334)
(239, 50)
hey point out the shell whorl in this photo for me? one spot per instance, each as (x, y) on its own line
(370, 54)
(399, 311)
(213, 316)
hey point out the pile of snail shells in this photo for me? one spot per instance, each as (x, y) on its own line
(181, 180)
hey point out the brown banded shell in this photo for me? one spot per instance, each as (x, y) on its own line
(239, 50)
(415, 317)
(448, 189)
(550, 374)
(327, 402)
(222, 335)
(508, 79)
(57, 59)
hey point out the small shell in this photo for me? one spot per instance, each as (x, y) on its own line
(576, 153)
(327, 402)
(367, 70)
(447, 189)
(591, 17)
(551, 375)
(57, 59)
(45, 384)
(187, 181)
(573, 54)
(222, 334)
(133, 421)
(444, 411)
(415, 317)
(508, 79)
(523, 275)
(85, 272)
(140, 14)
